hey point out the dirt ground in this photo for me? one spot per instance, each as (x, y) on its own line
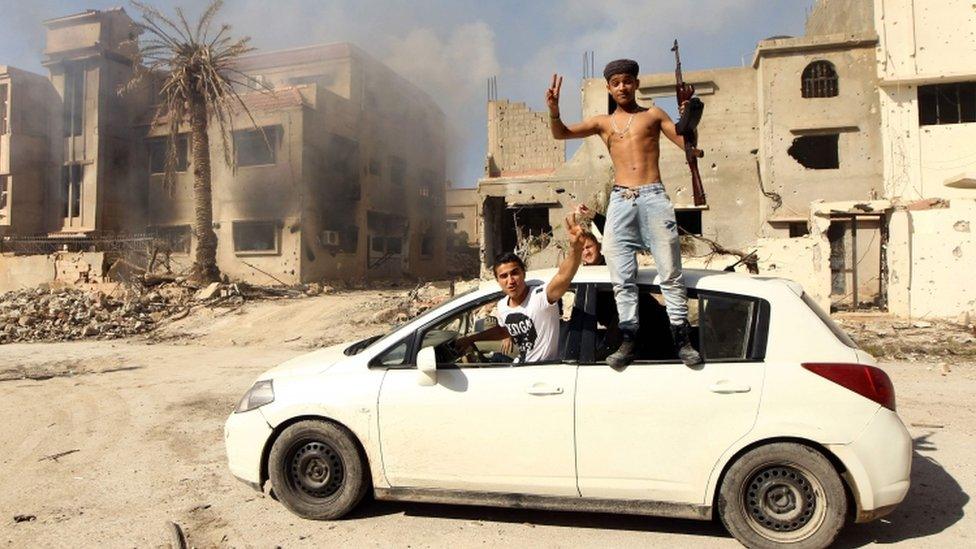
(105, 441)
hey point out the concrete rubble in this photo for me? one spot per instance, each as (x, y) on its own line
(68, 313)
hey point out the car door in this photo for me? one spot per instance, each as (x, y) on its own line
(484, 426)
(654, 430)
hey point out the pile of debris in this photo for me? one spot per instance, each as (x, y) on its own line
(890, 338)
(63, 314)
(417, 301)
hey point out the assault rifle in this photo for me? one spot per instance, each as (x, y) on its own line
(687, 126)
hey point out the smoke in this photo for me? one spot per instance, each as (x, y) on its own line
(449, 47)
(452, 70)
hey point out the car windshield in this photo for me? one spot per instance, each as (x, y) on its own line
(837, 330)
(364, 344)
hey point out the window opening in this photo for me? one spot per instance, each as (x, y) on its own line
(798, 229)
(816, 152)
(4, 193)
(689, 221)
(176, 238)
(72, 176)
(947, 103)
(344, 164)
(3, 108)
(157, 154)
(255, 236)
(74, 100)
(253, 150)
(820, 80)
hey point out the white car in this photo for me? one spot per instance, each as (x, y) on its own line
(786, 432)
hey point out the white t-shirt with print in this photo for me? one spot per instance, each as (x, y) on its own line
(533, 325)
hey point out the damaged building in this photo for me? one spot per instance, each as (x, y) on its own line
(332, 184)
(841, 158)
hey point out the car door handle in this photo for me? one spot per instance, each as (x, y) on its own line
(726, 387)
(544, 389)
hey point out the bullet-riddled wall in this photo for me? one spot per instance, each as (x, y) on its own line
(820, 124)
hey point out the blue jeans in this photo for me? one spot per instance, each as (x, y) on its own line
(638, 219)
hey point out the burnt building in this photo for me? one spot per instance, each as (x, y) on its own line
(334, 182)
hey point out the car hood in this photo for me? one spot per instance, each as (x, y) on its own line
(315, 362)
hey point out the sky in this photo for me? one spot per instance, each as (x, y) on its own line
(450, 48)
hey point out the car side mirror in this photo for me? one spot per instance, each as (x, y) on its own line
(426, 367)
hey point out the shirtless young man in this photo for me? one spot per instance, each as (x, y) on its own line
(640, 215)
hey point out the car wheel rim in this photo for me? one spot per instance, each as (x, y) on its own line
(783, 503)
(316, 470)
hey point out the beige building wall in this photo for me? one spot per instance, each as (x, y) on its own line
(25, 148)
(930, 170)
(357, 187)
(787, 119)
(729, 136)
(462, 213)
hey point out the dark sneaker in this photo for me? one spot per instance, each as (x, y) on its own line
(682, 342)
(624, 354)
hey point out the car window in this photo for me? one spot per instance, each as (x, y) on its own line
(478, 318)
(395, 356)
(726, 326)
(655, 327)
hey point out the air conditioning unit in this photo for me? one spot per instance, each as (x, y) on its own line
(329, 238)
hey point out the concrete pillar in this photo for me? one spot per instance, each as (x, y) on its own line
(899, 259)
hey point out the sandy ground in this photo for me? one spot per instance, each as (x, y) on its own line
(139, 423)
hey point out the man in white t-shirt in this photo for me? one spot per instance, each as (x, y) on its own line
(530, 314)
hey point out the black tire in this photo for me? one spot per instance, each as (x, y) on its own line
(317, 470)
(783, 495)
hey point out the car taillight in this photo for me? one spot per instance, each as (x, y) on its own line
(867, 381)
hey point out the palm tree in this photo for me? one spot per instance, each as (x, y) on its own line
(199, 82)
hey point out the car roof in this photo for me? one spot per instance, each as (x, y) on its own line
(702, 279)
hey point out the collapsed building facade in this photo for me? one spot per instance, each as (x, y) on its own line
(842, 158)
(332, 184)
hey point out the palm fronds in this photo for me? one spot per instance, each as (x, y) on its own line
(194, 66)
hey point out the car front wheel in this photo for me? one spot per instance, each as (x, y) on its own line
(783, 495)
(317, 470)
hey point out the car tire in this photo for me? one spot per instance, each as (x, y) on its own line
(317, 470)
(783, 495)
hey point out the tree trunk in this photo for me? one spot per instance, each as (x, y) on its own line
(205, 260)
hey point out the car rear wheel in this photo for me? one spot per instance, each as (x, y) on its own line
(783, 495)
(317, 470)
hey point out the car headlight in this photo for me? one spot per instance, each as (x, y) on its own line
(258, 395)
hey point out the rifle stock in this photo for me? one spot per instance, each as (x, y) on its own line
(687, 126)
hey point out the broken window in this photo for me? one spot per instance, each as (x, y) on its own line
(256, 147)
(157, 154)
(816, 152)
(344, 164)
(175, 238)
(798, 229)
(820, 80)
(525, 224)
(947, 103)
(3, 108)
(689, 221)
(72, 176)
(427, 244)
(74, 99)
(398, 171)
(255, 236)
(349, 239)
(394, 245)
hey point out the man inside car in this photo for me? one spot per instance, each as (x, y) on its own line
(529, 314)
